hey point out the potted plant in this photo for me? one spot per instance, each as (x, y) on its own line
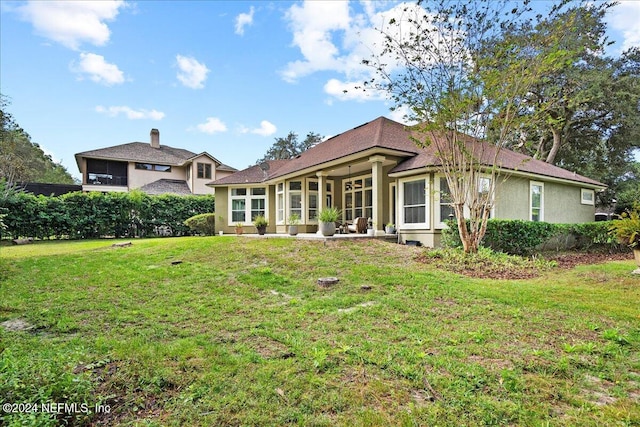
(221, 221)
(294, 220)
(261, 224)
(371, 228)
(239, 228)
(327, 221)
(390, 228)
(627, 231)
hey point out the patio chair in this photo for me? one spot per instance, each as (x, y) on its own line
(359, 225)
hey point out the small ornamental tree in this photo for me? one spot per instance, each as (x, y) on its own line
(454, 66)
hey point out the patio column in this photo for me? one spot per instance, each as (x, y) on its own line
(377, 197)
(322, 190)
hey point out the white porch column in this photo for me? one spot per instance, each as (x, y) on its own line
(377, 197)
(322, 190)
(321, 195)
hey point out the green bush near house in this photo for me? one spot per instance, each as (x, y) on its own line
(204, 224)
(519, 237)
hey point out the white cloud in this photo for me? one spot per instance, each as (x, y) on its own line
(333, 37)
(130, 113)
(243, 20)
(400, 115)
(72, 23)
(266, 129)
(313, 24)
(192, 73)
(212, 125)
(352, 91)
(98, 70)
(624, 18)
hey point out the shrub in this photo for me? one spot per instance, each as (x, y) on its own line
(202, 224)
(519, 237)
(329, 215)
(515, 237)
(92, 215)
(627, 229)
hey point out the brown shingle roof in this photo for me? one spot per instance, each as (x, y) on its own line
(140, 152)
(253, 174)
(379, 133)
(167, 186)
(485, 151)
(383, 133)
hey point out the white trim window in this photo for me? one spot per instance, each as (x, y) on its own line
(358, 197)
(444, 206)
(295, 198)
(414, 203)
(280, 203)
(536, 201)
(312, 195)
(312, 200)
(247, 203)
(587, 197)
(484, 187)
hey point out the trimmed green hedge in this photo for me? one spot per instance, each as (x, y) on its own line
(92, 215)
(202, 224)
(519, 237)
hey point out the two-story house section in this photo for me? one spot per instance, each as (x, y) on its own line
(150, 167)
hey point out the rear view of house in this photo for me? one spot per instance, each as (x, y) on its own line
(150, 167)
(376, 171)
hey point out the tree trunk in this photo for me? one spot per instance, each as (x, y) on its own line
(551, 157)
(469, 243)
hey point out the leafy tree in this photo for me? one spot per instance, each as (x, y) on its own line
(22, 160)
(289, 146)
(586, 114)
(454, 64)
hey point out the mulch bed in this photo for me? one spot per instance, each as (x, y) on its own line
(571, 259)
(565, 260)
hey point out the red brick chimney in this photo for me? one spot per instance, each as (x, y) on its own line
(155, 138)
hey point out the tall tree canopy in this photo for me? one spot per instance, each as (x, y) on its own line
(585, 114)
(22, 160)
(455, 66)
(289, 146)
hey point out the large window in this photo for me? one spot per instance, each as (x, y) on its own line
(358, 197)
(295, 198)
(247, 203)
(536, 201)
(280, 203)
(106, 172)
(204, 170)
(415, 202)
(444, 203)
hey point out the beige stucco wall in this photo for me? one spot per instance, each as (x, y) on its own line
(561, 202)
(562, 205)
(199, 185)
(222, 210)
(138, 178)
(512, 199)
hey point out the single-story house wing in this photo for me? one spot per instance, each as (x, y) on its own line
(377, 171)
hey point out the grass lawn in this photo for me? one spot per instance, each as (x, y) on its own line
(238, 333)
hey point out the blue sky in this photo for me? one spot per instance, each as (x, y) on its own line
(215, 76)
